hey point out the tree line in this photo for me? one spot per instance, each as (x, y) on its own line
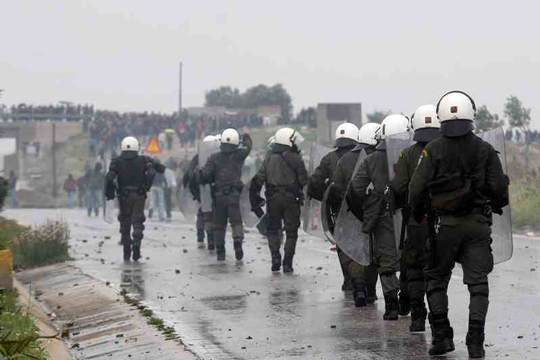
(252, 98)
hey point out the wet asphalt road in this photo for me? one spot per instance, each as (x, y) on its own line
(241, 310)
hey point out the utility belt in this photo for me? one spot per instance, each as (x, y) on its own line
(272, 190)
(227, 190)
(128, 190)
(485, 210)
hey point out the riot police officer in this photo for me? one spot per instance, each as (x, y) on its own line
(345, 140)
(373, 172)
(413, 258)
(4, 190)
(285, 175)
(462, 179)
(367, 138)
(130, 176)
(224, 171)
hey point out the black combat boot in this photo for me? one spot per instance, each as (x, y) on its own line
(360, 299)
(391, 307)
(371, 290)
(200, 235)
(287, 263)
(418, 317)
(220, 253)
(136, 251)
(127, 251)
(238, 252)
(276, 261)
(475, 342)
(210, 239)
(125, 241)
(404, 304)
(442, 335)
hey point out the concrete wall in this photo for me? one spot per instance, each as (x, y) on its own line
(331, 115)
(34, 131)
(40, 131)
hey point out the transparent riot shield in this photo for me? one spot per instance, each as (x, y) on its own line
(248, 217)
(188, 206)
(110, 211)
(312, 210)
(501, 230)
(348, 233)
(206, 149)
(395, 144)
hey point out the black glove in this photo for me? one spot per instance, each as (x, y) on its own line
(255, 200)
(259, 212)
(199, 178)
(110, 190)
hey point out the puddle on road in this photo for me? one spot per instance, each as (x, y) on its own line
(132, 281)
(232, 302)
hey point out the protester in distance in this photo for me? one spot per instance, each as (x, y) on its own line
(70, 187)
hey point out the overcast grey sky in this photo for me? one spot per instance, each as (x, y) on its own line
(124, 54)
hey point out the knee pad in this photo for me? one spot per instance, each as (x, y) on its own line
(292, 235)
(481, 290)
(237, 231)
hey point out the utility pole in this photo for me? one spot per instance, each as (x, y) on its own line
(53, 151)
(180, 89)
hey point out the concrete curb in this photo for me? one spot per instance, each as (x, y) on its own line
(93, 319)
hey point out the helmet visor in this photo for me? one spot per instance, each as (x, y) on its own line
(297, 138)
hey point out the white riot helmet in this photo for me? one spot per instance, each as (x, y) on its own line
(288, 137)
(393, 124)
(209, 138)
(230, 136)
(271, 142)
(425, 123)
(368, 134)
(456, 111)
(130, 144)
(346, 135)
(217, 137)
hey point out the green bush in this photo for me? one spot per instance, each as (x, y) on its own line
(9, 229)
(525, 202)
(19, 335)
(41, 245)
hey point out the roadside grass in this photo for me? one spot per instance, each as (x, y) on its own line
(525, 203)
(19, 335)
(41, 245)
(9, 229)
(168, 331)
